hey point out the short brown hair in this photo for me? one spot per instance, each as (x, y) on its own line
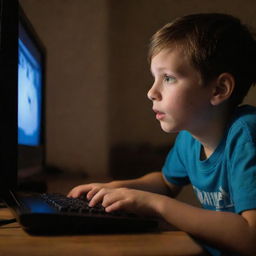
(215, 43)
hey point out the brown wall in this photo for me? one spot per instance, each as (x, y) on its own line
(98, 75)
(75, 35)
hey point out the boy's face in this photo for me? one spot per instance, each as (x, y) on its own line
(180, 100)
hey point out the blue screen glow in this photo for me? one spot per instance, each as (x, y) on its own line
(29, 97)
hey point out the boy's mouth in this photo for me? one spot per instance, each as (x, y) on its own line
(159, 115)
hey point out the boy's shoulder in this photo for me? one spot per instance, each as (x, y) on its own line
(243, 123)
(245, 114)
(245, 111)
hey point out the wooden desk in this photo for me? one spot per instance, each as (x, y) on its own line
(14, 241)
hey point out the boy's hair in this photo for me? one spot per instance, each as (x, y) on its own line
(214, 43)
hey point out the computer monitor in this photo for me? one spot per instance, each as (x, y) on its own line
(31, 95)
(22, 92)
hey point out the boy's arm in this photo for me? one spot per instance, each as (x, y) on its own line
(224, 230)
(153, 182)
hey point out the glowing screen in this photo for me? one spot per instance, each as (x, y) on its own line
(29, 97)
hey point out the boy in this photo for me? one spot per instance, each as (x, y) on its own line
(203, 65)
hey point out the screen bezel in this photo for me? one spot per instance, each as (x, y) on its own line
(8, 94)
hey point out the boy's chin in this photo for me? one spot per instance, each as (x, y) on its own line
(169, 128)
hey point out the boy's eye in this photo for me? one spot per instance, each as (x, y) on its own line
(169, 79)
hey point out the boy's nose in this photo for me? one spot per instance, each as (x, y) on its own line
(153, 94)
(150, 95)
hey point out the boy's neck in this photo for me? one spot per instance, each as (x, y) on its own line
(213, 132)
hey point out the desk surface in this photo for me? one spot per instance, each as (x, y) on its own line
(14, 241)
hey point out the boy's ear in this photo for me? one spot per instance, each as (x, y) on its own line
(223, 88)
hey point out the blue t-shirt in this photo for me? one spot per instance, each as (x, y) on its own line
(226, 181)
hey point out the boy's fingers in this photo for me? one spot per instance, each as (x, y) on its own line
(92, 193)
(78, 191)
(72, 193)
(111, 197)
(118, 205)
(98, 197)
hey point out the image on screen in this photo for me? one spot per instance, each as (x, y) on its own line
(29, 97)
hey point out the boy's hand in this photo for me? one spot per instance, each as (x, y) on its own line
(131, 200)
(89, 189)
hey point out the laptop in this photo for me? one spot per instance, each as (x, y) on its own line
(22, 74)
